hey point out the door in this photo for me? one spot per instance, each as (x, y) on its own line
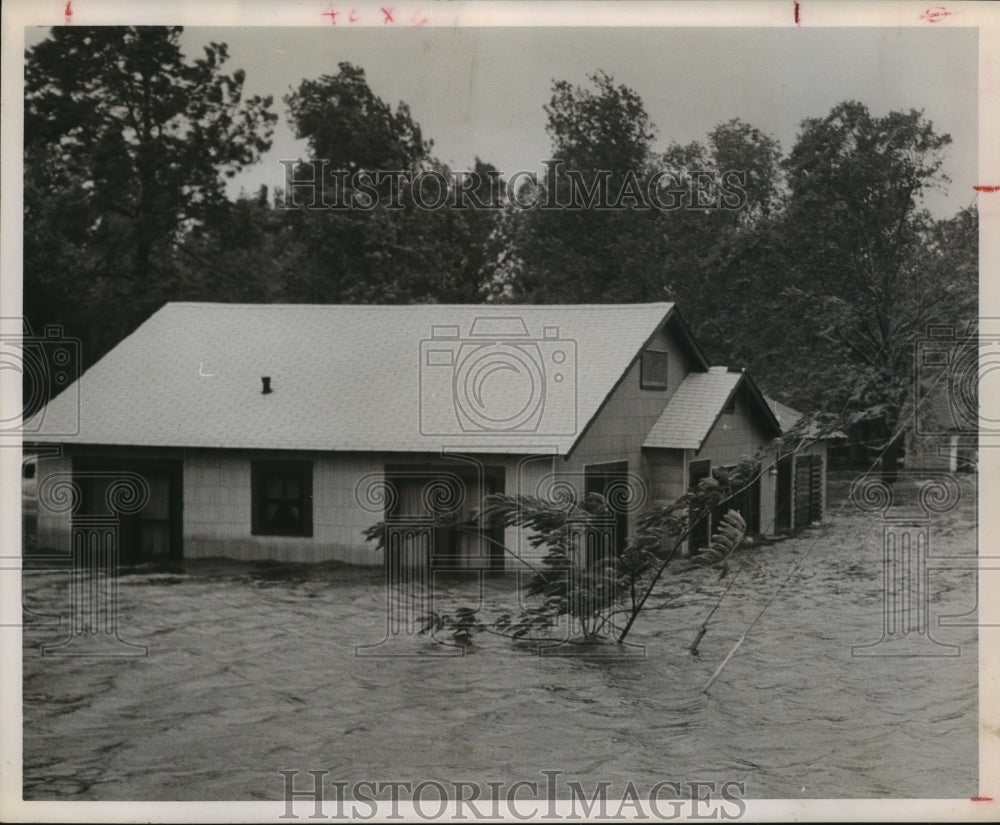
(747, 504)
(154, 533)
(601, 479)
(783, 496)
(699, 536)
(808, 492)
(445, 541)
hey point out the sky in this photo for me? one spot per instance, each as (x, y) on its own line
(481, 91)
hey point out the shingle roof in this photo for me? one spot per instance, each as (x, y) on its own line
(693, 409)
(393, 378)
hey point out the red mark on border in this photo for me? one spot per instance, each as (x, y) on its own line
(68, 12)
(332, 14)
(353, 16)
(935, 14)
(419, 18)
(798, 15)
(388, 15)
(983, 798)
(987, 188)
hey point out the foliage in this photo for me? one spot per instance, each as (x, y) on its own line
(126, 147)
(590, 590)
(395, 251)
(864, 261)
(820, 281)
(603, 135)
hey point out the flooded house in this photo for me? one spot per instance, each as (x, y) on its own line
(282, 432)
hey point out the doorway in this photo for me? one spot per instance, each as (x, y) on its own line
(155, 532)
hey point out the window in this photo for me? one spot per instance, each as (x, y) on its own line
(653, 369)
(282, 498)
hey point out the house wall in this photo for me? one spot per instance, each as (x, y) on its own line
(217, 501)
(218, 509)
(735, 436)
(53, 524)
(617, 431)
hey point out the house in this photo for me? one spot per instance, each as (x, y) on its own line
(282, 432)
(945, 431)
(800, 472)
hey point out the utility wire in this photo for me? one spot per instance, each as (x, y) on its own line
(899, 432)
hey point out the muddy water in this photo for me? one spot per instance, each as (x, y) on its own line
(253, 670)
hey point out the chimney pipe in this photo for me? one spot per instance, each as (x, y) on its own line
(266, 381)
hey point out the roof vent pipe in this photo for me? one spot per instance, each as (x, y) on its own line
(266, 381)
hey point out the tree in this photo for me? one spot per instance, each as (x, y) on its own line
(855, 248)
(720, 265)
(592, 592)
(126, 147)
(351, 128)
(407, 242)
(601, 156)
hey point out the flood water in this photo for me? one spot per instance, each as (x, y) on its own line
(252, 669)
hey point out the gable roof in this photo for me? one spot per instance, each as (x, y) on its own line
(361, 378)
(788, 417)
(699, 401)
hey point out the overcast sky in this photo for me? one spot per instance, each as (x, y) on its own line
(480, 92)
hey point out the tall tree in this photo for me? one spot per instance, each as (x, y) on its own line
(126, 145)
(393, 234)
(856, 242)
(601, 241)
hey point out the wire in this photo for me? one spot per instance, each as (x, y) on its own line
(899, 432)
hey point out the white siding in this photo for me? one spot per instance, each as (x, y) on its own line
(218, 509)
(53, 524)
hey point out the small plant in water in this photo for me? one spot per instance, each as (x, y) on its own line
(586, 580)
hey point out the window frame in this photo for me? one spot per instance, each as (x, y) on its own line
(647, 382)
(260, 472)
